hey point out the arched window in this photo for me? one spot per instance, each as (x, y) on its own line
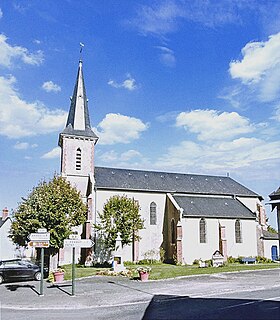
(202, 230)
(78, 159)
(153, 213)
(238, 235)
(173, 233)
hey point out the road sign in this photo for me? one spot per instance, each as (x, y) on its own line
(42, 230)
(74, 237)
(79, 243)
(39, 244)
(39, 236)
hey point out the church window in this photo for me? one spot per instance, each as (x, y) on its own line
(153, 213)
(202, 230)
(78, 159)
(173, 233)
(238, 236)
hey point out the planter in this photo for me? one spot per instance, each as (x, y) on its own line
(58, 276)
(144, 276)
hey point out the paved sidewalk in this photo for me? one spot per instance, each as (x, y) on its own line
(90, 292)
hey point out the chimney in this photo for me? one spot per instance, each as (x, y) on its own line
(5, 213)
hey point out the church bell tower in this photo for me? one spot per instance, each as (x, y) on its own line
(77, 142)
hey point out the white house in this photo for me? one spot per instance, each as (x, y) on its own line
(189, 216)
(7, 247)
(270, 244)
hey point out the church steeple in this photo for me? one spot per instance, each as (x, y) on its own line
(78, 122)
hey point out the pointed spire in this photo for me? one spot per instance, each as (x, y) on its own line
(78, 122)
(78, 116)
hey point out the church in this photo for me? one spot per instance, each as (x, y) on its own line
(186, 216)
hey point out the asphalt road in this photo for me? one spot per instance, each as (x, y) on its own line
(243, 295)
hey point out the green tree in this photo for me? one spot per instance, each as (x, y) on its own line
(120, 215)
(54, 205)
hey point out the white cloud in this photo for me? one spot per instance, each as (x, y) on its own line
(9, 53)
(54, 153)
(260, 67)
(112, 156)
(258, 58)
(162, 18)
(166, 56)
(220, 157)
(24, 145)
(21, 118)
(276, 115)
(213, 125)
(128, 159)
(129, 83)
(1, 13)
(49, 86)
(117, 128)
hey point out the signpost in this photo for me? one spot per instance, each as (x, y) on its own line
(39, 244)
(78, 243)
(40, 239)
(75, 242)
(39, 236)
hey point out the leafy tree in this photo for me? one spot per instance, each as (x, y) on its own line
(54, 205)
(271, 229)
(120, 215)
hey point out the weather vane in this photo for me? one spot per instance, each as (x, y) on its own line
(81, 49)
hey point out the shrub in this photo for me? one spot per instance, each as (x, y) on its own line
(231, 259)
(195, 262)
(260, 259)
(209, 263)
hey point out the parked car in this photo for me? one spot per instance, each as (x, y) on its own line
(17, 269)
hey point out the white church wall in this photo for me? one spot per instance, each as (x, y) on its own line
(151, 235)
(248, 246)
(193, 249)
(250, 203)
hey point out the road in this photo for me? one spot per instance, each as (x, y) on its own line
(243, 295)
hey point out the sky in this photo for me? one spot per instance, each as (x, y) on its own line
(186, 86)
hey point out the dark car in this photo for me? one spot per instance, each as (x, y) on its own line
(17, 269)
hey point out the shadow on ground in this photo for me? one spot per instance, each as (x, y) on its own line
(182, 307)
(61, 288)
(15, 287)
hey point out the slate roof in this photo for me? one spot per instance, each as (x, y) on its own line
(3, 221)
(269, 235)
(210, 207)
(275, 195)
(69, 130)
(126, 179)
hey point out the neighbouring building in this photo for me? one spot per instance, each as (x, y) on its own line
(7, 247)
(272, 241)
(190, 216)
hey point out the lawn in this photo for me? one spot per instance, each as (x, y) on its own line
(165, 271)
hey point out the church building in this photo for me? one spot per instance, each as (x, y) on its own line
(187, 216)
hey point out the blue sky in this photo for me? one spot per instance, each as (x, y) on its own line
(180, 86)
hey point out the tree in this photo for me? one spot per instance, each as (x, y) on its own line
(120, 215)
(54, 205)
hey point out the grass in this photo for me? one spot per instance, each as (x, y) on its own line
(165, 271)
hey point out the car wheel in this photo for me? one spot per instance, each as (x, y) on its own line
(1, 279)
(37, 276)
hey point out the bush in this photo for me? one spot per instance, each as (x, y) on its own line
(195, 262)
(209, 263)
(260, 259)
(231, 259)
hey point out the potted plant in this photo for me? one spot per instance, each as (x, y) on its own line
(58, 275)
(144, 272)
